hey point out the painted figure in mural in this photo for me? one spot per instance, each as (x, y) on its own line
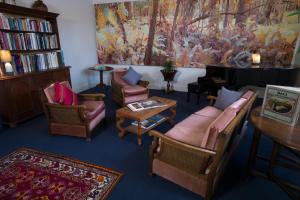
(196, 32)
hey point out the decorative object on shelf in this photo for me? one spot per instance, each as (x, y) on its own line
(169, 73)
(6, 58)
(282, 104)
(39, 5)
(256, 58)
(243, 59)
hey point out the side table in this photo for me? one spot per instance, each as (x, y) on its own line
(101, 70)
(284, 137)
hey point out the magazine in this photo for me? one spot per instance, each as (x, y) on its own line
(151, 122)
(282, 104)
(143, 105)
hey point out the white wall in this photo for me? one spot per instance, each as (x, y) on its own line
(76, 24)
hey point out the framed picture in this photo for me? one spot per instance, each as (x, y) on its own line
(282, 104)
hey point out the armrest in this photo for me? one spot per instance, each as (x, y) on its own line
(93, 97)
(143, 83)
(66, 114)
(211, 99)
(181, 145)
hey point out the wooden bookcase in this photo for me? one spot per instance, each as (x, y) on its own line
(20, 94)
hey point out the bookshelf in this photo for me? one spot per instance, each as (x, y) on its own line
(33, 39)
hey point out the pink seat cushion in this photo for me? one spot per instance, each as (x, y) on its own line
(93, 108)
(209, 111)
(216, 127)
(191, 130)
(237, 105)
(134, 90)
(140, 97)
(64, 95)
(248, 94)
(118, 77)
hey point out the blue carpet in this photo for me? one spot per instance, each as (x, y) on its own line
(108, 150)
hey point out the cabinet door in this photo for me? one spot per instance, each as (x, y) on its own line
(20, 99)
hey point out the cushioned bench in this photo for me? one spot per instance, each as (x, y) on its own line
(194, 150)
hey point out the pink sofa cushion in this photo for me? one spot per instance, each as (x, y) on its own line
(134, 90)
(216, 127)
(64, 94)
(93, 108)
(248, 94)
(209, 111)
(118, 77)
(191, 130)
(237, 105)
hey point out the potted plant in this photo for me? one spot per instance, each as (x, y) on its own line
(169, 73)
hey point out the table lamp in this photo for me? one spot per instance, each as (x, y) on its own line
(256, 58)
(6, 58)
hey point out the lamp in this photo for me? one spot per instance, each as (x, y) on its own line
(6, 58)
(256, 58)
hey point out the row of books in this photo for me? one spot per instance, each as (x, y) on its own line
(27, 41)
(151, 122)
(24, 24)
(26, 63)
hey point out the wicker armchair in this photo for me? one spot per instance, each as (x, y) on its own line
(79, 120)
(195, 168)
(123, 93)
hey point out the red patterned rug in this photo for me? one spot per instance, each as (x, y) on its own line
(30, 174)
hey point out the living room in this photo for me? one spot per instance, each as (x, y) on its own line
(149, 99)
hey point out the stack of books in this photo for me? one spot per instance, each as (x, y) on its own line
(151, 122)
(24, 24)
(27, 41)
(144, 105)
(27, 63)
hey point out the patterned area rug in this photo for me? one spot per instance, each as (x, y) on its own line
(30, 174)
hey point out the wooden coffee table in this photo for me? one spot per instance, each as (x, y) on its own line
(126, 114)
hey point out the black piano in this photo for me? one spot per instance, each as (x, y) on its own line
(234, 77)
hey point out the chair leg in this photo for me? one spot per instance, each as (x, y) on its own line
(88, 139)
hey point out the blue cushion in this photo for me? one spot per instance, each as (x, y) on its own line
(132, 77)
(226, 98)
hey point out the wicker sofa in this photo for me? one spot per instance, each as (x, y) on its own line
(194, 153)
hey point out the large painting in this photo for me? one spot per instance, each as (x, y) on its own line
(196, 32)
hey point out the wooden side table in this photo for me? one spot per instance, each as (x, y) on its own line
(284, 137)
(101, 70)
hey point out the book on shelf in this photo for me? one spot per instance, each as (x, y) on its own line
(27, 41)
(150, 122)
(26, 63)
(146, 104)
(282, 104)
(16, 23)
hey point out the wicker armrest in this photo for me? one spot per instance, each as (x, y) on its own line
(181, 145)
(93, 97)
(66, 114)
(143, 83)
(211, 99)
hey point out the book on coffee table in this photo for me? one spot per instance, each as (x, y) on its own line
(143, 105)
(152, 121)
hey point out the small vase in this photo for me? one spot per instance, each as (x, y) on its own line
(39, 5)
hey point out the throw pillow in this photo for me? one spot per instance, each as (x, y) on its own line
(65, 95)
(226, 98)
(132, 77)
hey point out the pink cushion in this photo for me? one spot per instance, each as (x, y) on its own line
(248, 94)
(118, 77)
(94, 122)
(134, 90)
(209, 111)
(237, 105)
(191, 130)
(93, 108)
(140, 97)
(50, 91)
(217, 126)
(64, 94)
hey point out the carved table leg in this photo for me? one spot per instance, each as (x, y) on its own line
(173, 115)
(139, 133)
(120, 121)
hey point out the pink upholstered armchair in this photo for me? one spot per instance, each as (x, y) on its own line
(78, 120)
(123, 93)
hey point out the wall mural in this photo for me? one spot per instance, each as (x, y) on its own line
(196, 32)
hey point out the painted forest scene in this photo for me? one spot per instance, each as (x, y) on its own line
(191, 33)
